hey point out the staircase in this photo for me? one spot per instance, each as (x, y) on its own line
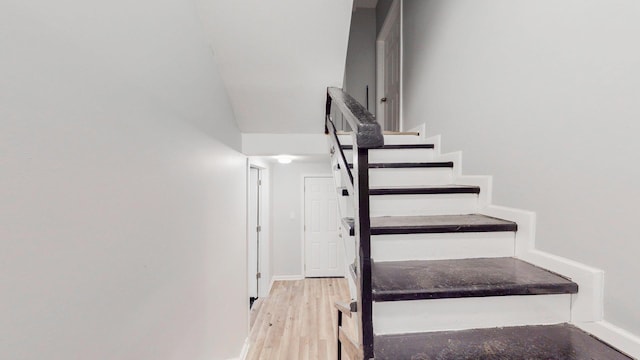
(435, 274)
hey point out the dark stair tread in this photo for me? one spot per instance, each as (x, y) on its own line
(384, 225)
(440, 279)
(427, 190)
(408, 165)
(394, 147)
(559, 342)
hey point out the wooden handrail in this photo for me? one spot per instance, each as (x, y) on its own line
(345, 308)
(367, 131)
(367, 134)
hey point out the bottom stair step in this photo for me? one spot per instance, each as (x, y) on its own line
(558, 342)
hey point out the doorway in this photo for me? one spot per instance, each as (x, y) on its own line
(389, 70)
(254, 230)
(323, 252)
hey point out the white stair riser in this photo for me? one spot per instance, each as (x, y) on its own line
(408, 205)
(432, 204)
(388, 139)
(395, 155)
(397, 317)
(410, 176)
(442, 246)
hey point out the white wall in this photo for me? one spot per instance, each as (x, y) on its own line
(361, 57)
(122, 219)
(279, 144)
(287, 213)
(277, 59)
(544, 96)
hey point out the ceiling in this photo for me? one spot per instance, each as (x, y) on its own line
(277, 58)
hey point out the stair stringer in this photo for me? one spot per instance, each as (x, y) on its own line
(587, 305)
(623, 340)
(485, 182)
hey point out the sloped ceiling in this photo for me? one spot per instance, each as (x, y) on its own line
(277, 57)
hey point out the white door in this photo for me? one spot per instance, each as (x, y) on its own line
(389, 60)
(323, 255)
(254, 231)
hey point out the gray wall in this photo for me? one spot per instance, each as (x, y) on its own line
(122, 219)
(382, 9)
(544, 96)
(361, 57)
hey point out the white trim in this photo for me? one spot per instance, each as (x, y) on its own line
(246, 237)
(395, 11)
(588, 303)
(243, 352)
(420, 129)
(264, 197)
(401, 91)
(286, 278)
(436, 140)
(619, 338)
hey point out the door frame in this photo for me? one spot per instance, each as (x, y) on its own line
(395, 14)
(303, 217)
(250, 231)
(264, 251)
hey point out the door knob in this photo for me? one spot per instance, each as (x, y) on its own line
(384, 99)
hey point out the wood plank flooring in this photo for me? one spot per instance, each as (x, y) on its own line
(298, 321)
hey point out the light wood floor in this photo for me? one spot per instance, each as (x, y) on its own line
(297, 321)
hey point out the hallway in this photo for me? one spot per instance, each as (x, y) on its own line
(298, 320)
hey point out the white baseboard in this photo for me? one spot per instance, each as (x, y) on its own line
(620, 339)
(286, 277)
(588, 303)
(243, 352)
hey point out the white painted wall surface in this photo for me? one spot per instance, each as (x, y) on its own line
(361, 57)
(287, 213)
(544, 96)
(278, 57)
(278, 144)
(122, 217)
